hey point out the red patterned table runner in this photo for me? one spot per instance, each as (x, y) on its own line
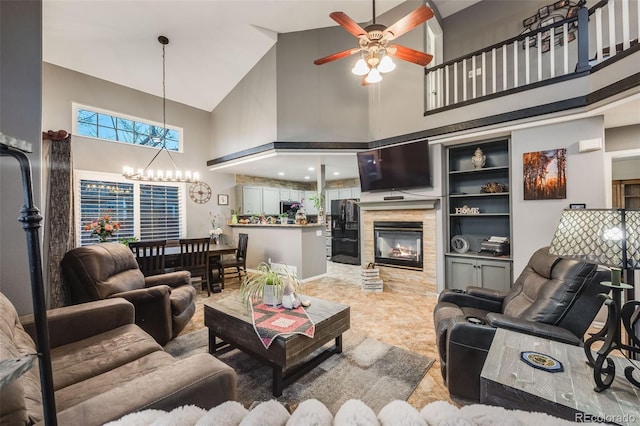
(270, 322)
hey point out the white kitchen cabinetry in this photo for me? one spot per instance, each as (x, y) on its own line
(251, 200)
(284, 194)
(270, 201)
(295, 195)
(309, 204)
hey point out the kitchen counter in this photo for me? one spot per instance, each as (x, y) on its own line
(277, 225)
(300, 248)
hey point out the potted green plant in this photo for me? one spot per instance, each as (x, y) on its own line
(318, 203)
(267, 285)
(284, 217)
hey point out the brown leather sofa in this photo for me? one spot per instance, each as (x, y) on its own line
(164, 303)
(554, 298)
(104, 366)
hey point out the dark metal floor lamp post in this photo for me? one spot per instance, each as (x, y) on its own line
(30, 218)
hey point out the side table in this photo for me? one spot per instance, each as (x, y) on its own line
(509, 382)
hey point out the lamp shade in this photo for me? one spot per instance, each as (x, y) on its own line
(607, 237)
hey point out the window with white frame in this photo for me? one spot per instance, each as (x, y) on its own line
(146, 211)
(101, 124)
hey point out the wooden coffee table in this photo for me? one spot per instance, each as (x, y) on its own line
(229, 320)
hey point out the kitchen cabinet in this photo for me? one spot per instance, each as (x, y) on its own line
(285, 194)
(251, 200)
(473, 214)
(464, 271)
(344, 193)
(309, 204)
(270, 201)
(295, 195)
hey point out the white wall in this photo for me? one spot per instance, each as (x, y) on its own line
(534, 221)
(20, 117)
(61, 87)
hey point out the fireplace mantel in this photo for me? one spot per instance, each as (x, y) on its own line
(409, 204)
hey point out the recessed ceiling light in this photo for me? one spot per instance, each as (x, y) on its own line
(336, 173)
(280, 173)
(311, 169)
(307, 177)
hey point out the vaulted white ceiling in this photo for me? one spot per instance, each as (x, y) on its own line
(213, 44)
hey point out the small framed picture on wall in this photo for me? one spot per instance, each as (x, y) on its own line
(223, 199)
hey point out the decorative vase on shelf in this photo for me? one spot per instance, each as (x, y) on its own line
(478, 160)
(301, 217)
(234, 219)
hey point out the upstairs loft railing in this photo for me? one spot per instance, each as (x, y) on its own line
(535, 58)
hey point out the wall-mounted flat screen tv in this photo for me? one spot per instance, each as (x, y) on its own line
(396, 167)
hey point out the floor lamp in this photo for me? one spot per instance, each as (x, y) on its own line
(609, 237)
(30, 218)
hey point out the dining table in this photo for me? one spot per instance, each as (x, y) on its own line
(216, 251)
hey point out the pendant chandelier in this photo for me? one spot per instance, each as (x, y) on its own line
(148, 174)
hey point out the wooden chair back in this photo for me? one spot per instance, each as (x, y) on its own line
(150, 256)
(194, 257)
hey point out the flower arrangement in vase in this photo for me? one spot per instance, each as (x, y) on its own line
(104, 227)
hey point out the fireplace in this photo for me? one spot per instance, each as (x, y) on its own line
(398, 244)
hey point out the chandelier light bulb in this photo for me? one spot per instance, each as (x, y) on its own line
(196, 176)
(169, 175)
(160, 174)
(373, 77)
(360, 68)
(386, 64)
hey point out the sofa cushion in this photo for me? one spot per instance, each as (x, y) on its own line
(98, 384)
(21, 400)
(181, 298)
(98, 354)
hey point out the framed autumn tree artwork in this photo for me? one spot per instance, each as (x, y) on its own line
(544, 174)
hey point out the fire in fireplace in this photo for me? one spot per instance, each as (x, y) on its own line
(398, 244)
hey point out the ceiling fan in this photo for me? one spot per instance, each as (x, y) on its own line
(375, 49)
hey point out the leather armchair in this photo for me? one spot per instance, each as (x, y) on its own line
(554, 298)
(164, 303)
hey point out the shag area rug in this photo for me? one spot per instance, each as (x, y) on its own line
(368, 370)
(352, 413)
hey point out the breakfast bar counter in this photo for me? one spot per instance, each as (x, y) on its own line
(302, 248)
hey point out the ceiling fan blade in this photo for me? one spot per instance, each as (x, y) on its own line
(409, 55)
(409, 22)
(348, 24)
(336, 56)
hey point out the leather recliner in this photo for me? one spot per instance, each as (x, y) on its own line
(164, 303)
(553, 298)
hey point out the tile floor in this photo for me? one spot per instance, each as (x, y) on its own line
(400, 319)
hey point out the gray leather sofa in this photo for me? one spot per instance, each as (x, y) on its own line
(554, 298)
(164, 303)
(104, 366)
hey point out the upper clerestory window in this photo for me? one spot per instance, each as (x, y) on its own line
(95, 123)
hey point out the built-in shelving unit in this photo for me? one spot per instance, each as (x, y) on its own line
(473, 215)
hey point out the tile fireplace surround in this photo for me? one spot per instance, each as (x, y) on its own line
(398, 279)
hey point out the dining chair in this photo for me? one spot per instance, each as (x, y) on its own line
(194, 257)
(239, 261)
(150, 256)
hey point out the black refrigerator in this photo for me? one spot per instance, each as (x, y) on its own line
(345, 231)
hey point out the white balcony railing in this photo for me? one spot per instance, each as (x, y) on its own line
(536, 57)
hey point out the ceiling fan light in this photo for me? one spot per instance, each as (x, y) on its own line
(360, 68)
(373, 77)
(386, 64)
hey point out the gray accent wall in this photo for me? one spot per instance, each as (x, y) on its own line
(62, 87)
(247, 116)
(20, 117)
(534, 221)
